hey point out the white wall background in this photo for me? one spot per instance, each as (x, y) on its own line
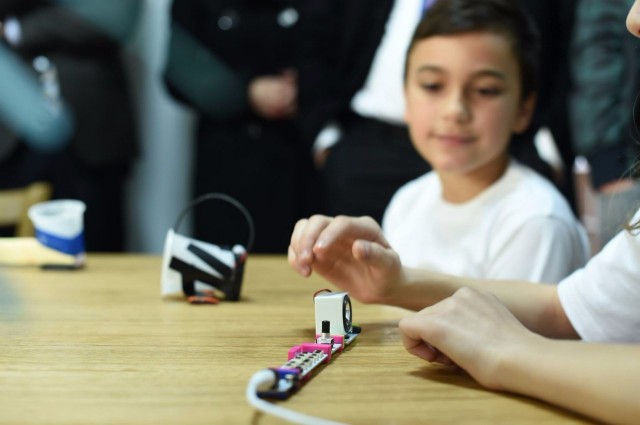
(160, 182)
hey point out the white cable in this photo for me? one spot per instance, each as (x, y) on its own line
(264, 379)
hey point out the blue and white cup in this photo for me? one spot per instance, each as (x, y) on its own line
(59, 225)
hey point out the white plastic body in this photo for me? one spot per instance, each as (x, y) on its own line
(330, 306)
(175, 245)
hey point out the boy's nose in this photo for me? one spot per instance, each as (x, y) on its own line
(457, 108)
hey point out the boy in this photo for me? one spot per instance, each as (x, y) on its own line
(469, 85)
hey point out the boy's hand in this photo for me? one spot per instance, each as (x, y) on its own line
(352, 253)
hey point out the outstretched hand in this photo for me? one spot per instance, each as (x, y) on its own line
(352, 253)
(472, 329)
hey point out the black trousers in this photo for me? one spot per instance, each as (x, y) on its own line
(367, 166)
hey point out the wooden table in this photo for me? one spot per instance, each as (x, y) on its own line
(99, 346)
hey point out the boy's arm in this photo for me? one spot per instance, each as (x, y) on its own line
(535, 306)
(353, 254)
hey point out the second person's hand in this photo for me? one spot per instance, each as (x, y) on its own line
(472, 329)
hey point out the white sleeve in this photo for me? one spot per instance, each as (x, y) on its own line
(542, 249)
(602, 300)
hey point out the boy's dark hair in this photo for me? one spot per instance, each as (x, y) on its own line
(503, 17)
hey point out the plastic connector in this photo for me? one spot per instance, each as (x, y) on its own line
(304, 359)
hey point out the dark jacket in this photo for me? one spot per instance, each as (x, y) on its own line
(216, 48)
(82, 38)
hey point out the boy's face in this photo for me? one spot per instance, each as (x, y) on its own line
(463, 101)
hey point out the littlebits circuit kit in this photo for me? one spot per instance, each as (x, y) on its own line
(334, 331)
(206, 273)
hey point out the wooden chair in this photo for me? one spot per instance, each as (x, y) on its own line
(14, 204)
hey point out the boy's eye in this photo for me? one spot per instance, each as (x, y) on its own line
(431, 87)
(488, 91)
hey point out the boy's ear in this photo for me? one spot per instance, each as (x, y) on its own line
(525, 113)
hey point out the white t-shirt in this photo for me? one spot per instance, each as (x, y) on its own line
(519, 228)
(602, 300)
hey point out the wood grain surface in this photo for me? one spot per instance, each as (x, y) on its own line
(99, 346)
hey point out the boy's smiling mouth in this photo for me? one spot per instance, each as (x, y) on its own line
(453, 139)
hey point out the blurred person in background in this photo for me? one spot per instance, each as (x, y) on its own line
(355, 124)
(72, 49)
(555, 21)
(605, 67)
(239, 64)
